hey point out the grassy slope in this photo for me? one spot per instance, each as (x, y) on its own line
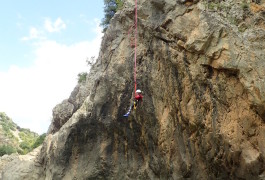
(15, 139)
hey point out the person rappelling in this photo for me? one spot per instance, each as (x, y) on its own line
(138, 93)
(137, 99)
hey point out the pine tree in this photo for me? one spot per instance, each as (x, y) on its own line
(111, 7)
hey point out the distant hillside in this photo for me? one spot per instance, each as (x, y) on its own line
(15, 139)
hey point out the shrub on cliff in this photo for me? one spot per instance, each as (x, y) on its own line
(82, 77)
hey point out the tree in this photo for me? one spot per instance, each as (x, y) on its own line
(111, 7)
(90, 61)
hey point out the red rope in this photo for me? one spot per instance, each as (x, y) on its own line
(129, 32)
(135, 48)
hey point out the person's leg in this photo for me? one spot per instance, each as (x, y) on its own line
(135, 103)
(129, 111)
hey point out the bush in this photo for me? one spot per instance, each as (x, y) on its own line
(12, 128)
(20, 151)
(5, 127)
(7, 123)
(25, 145)
(245, 5)
(22, 135)
(28, 140)
(6, 149)
(82, 77)
(39, 141)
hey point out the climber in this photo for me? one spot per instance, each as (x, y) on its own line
(138, 97)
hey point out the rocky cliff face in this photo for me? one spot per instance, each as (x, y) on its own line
(201, 67)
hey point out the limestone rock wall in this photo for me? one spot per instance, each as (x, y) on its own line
(201, 67)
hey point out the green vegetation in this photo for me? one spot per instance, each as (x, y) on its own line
(242, 27)
(7, 125)
(22, 143)
(82, 77)
(245, 5)
(212, 5)
(232, 20)
(6, 149)
(28, 139)
(39, 141)
(111, 7)
(215, 6)
(119, 4)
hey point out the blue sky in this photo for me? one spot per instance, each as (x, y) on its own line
(43, 46)
(17, 17)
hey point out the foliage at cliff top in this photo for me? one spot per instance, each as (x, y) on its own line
(111, 7)
(15, 139)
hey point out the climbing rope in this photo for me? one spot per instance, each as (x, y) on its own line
(132, 36)
(135, 48)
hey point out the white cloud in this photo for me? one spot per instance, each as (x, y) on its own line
(28, 94)
(49, 26)
(34, 33)
(97, 28)
(55, 26)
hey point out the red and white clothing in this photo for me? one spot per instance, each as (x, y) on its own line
(138, 97)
